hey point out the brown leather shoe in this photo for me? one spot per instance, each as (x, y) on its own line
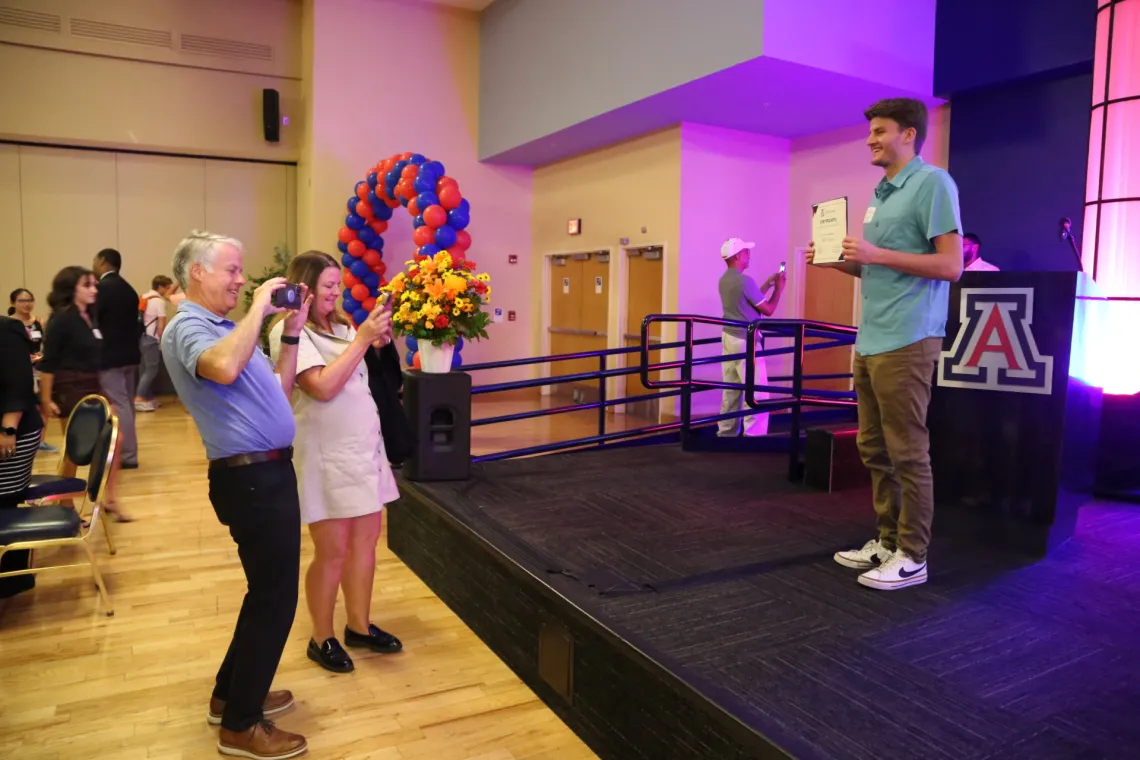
(275, 702)
(262, 741)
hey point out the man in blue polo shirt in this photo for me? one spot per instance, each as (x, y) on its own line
(910, 252)
(241, 407)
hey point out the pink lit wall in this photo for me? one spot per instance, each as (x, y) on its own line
(388, 77)
(733, 184)
(1111, 250)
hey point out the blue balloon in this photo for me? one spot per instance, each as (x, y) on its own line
(445, 236)
(383, 212)
(459, 344)
(351, 205)
(418, 221)
(391, 178)
(457, 220)
(356, 187)
(416, 158)
(423, 200)
(373, 199)
(403, 201)
(373, 178)
(359, 269)
(433, 167)
(464, 207)
(366, 234)
(412, 344)
(342, 247)
(456, 360)
(399, 167)
(347, 258)
(359, 315)
(371, 279)
(350, 304)
(425, 182)
(409, 358)
(354, 222)
(430, 249)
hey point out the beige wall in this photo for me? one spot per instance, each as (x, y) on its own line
(58, 207)
(616, 192)
(68, 88)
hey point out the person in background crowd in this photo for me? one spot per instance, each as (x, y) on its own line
(910, 252)
(23, 305)
(21, 429)
(152, 307)
(971, 255)
(743, 301)
(117, 314)
(73, 349)
(342, 468)
(240, 405)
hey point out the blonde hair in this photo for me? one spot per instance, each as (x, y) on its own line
(306, 269)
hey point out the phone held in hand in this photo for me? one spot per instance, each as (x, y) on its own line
(288, 297)
(383, 299)
(783, 267)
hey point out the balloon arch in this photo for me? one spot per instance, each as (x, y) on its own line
(440, 218)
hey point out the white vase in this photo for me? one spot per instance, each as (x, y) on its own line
(436, 359)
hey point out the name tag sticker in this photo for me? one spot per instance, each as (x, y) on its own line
(34, 334)
(869, 215)
(96, 333)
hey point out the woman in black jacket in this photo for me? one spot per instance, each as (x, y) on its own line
(21, 429)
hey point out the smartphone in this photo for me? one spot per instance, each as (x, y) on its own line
(383, 299)
(783, 267)
(288, 297)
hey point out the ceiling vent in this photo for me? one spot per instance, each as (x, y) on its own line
(99, 30)
(43, 22)
(194, 43)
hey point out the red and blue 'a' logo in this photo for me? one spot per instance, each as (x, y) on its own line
(995, 349)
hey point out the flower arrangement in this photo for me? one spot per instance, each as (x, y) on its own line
(439, 299)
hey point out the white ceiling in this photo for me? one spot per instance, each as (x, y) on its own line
(471, 5)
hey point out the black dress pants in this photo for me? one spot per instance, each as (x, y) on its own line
(259, 504)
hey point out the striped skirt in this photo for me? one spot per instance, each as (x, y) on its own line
(15, 472)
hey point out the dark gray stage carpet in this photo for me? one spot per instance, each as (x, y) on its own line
(724, 569)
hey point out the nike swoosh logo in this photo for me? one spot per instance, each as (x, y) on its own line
(912, 573)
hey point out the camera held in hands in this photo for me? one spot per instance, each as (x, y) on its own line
(288, 297)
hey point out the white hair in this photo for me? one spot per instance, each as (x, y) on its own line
(199, 248)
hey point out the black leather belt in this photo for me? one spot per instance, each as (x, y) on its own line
(244, 460)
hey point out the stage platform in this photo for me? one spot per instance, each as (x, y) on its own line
(688, 607)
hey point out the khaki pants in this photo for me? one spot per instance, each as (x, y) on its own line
(894, 391)
(732, 400)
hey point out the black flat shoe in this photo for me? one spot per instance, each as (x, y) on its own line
(376, 640)
(330, 656)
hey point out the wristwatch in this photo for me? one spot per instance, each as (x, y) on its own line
(7, 431)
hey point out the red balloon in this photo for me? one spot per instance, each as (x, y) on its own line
(378, 226)
(434, 216)
(449, 196)
(414, 208)
(404, 156)
(368, 304)
(409, 192)
(381, 269)
(383, 282)
(391, 202)
(371, 258)
(410, 171)
(360, 291)
(356, 248)
(349, 279)
(362, 193)
(345, 235)
(462, 240)
(423, 236)
(364, 209)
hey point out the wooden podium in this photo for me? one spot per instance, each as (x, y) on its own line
(1014, 422)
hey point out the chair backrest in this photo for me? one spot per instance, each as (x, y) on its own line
(83, 427)
(103, 454)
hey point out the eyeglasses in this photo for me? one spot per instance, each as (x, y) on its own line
(25, 300)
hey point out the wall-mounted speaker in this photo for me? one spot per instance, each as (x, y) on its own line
(271, 115)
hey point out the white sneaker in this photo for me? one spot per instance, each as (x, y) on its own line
(898, 571)
(871, 555)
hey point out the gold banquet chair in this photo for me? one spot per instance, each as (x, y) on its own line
(83, 427)
(42, 527)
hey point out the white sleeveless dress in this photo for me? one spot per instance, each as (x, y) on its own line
(338, 453)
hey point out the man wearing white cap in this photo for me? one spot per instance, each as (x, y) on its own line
(743, 301)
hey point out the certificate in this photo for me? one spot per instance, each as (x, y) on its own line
(828, 228)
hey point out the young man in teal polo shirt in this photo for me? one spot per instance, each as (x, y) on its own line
(910, 252)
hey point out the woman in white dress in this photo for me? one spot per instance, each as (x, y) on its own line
(342, 470)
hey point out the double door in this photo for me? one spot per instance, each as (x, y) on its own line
(579, 315)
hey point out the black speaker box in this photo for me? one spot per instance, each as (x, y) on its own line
(439, 409)
(271, 115)
(832, 461)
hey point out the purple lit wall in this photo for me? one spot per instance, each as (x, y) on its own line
(1111, 251)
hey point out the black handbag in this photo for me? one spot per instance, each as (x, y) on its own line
(385, 380)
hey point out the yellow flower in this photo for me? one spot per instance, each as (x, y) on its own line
(455, 312)
(455, 284)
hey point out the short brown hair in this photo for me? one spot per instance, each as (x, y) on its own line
(906, 112)
(160, 281)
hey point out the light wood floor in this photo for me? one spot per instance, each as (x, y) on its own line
(75, 684)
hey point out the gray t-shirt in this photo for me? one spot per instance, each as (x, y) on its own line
(738, 293)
